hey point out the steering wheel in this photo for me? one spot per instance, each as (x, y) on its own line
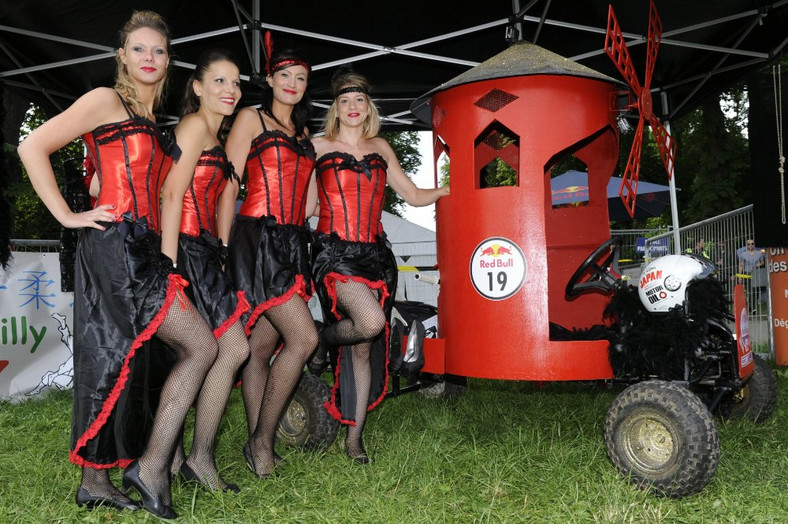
(600, 268)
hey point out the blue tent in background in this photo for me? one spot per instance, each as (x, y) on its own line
(572, 188)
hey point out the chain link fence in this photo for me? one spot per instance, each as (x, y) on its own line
(724, 240)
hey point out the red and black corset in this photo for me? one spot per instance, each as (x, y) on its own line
(199, 202)
(278, 169)
(352, 195)
(132, 160)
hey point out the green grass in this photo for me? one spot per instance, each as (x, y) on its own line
(503, 452)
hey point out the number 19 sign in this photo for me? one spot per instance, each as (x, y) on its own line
(497, 268)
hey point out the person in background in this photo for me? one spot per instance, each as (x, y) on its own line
(126, 290)
(699, 249)
(269, 247)
(189, 232)
(354, 268)
(751, 259)
(726, 262)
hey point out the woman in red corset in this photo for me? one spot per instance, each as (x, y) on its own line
(269, 248)
(125, 289)
(189, 232)
(354, 268)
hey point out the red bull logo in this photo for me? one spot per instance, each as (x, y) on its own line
(495, 250)
(570, 189)
(572, 194)
(497, 268)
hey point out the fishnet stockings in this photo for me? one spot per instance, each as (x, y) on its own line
(233, 351)
(97, 483)
(363, 317)
(354, 446)
(295, 324)
(262, 343)
(363, 321)
(187, 333)
(179, 457)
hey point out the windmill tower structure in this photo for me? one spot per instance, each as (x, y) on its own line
(506, 252)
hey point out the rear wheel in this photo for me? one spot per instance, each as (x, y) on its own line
(305, 422)
(662, 438)
(758, 398)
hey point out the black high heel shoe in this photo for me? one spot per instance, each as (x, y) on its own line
(361, 458)
(87, 500)
(250, 462)
(191, 476)
(131, 479)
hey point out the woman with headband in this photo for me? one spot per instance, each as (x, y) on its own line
(269, 247)
(354, 268)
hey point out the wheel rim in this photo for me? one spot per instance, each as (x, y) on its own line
(650, 443)
(742, 395)
(295, 420)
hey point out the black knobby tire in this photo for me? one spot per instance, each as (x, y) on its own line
(305, 422)
(758, 398)
(662, 438)
(448, 387)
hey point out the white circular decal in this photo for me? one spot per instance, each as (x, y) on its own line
(497, 268)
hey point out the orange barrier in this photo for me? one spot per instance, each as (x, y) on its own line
(777, 264)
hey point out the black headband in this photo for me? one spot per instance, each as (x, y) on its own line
(351, 89)
(287, 62)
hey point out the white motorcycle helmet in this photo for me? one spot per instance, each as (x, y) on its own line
(663, 284)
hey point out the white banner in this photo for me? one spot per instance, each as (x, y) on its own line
(35, 333)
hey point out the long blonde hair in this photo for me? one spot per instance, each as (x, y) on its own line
(123, 82)
(371, 124)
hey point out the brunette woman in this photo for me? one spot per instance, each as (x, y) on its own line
(189, 204)
(269, 248)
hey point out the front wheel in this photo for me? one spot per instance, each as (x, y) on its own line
(305, 422)
(758, 398)
(662, 438)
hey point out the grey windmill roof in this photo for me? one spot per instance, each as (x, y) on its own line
(520, 59)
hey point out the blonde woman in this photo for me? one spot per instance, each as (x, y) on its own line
(125, 289)
(354, 269)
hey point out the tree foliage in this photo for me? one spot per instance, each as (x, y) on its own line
(713, 159)
(406, 146)
(31, 219)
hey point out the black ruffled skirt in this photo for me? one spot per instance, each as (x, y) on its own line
(123, 289)
(269, 262)
(374, 265)
(201, 261)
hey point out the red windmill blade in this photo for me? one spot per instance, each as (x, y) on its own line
(616, 49)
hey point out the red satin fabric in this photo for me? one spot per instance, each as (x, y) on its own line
(200, 201)
(278, 169)
(352, 195)
(115, 147)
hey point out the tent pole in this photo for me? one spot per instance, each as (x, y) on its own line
(674, 210)
(256, 40)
